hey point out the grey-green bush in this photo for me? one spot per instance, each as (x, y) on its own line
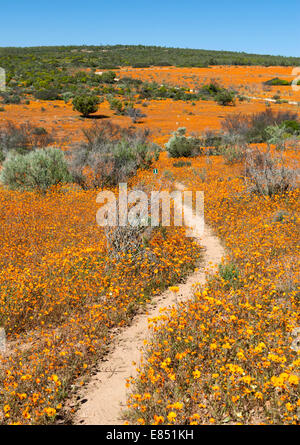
(112, 154)
(269, 176)
(179, 145)
(36, 170)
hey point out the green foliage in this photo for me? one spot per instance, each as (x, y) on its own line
(37, 170)
(152, 90)
(116, 105)
(276, 135)
(47, 94)
(276, 81)
(86, 105)
(230, 274)
(107, 77)
(212, 139)
(180, 164)
(67, 96)
(64, 68)
(225, 97)
(38, 59)
(291, 127)
(181, 146)
(112, 154)
(253, 127)
(211, 89)
(39, 131)
(10, 98)
(233, 153)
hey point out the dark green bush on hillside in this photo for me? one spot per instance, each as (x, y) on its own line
(86, 105)
(225, 97)
(276, 81)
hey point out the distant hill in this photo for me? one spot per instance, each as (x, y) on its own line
(134, 55)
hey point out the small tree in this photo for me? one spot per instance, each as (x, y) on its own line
(86, 105)
(225, 97)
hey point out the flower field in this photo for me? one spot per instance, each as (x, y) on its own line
(227, 356)
(64, 296)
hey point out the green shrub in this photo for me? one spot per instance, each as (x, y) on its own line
(86, 105)
(276, 81)
(10, 98)
(116, 105)
(39, 131)
(179, 145)
(47, 94)
(225, 97)
(211, 89)
(253, 127)
(112, 155)
(291, 127)
(67, 96)
(107, 77)
(233, 153)
(212, 139)
(276, 135)
(38, 170)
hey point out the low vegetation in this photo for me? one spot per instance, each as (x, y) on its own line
(23, 138)
(229, 355)
(37, 170)
(179, 145)
(86, 105)
(110, 155)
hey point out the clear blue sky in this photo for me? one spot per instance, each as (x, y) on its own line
(255, 26)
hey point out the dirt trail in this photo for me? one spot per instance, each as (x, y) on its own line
(106, 394)
(266, 99)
